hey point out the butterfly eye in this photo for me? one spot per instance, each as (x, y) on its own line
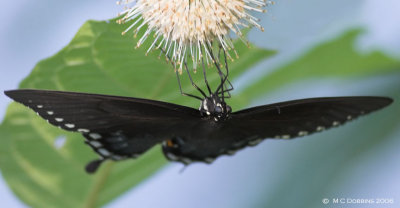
(218, 109)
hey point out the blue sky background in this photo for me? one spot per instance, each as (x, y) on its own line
(33, 30)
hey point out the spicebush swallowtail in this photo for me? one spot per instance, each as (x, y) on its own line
(118, 128)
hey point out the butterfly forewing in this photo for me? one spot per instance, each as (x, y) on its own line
(115, 127)
(302, 117)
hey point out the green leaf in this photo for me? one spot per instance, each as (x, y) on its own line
(98, 60)
(337, 58)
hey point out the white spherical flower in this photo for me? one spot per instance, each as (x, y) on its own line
(188, 28)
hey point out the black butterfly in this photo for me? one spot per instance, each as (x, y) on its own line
(118, 128)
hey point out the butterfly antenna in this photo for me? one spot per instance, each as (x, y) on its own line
(178, 78)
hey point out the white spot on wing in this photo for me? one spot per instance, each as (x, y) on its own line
(171, 156)
(335, 123)
(186, 160)
(59, 119)
(255, 142)
(320, 128)
(125, 144)
(231, 152)
(84, 130)
(209, 159)
(39, 106)
(50, 112)
(349, 117)
(68, 125)
(95, 144)
(286, 136)
(303, 133)
(95, 135)
(117, 157)
(104, 152)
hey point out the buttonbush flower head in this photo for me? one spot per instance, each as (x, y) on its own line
(188, 28)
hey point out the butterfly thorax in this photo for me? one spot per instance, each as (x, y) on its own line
(214, 108)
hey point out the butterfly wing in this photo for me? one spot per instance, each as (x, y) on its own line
(302, 117)
(115, 127)
(280, 120)
(120, 127)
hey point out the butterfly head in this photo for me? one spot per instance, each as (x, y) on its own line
(215, 108)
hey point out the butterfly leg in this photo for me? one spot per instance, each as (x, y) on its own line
(180, 88)
(179, 81)
(205, 76)
(216, 63)
(230, 88)
(222, 88)
(227, 73)
(191, 80)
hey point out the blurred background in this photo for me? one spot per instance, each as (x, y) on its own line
(299, 173)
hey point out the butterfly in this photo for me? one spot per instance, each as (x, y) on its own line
(118, 128)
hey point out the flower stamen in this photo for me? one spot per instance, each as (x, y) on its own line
(183, 28)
